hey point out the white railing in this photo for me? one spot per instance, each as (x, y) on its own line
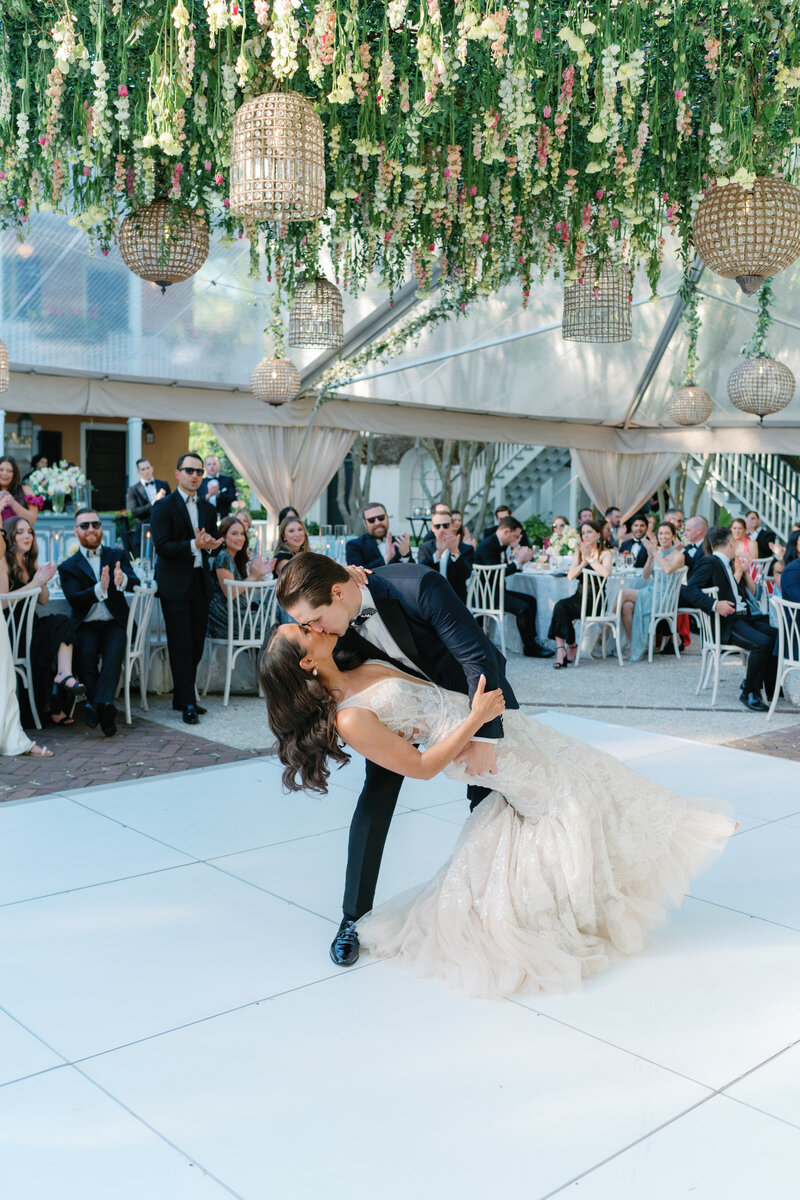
(763, 482)
(510, 456)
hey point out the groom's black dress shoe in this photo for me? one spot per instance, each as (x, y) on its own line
(190, 715)
(752, 701)
(344, 947)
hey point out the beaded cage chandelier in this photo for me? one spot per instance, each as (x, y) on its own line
(597, 308)
(277, 160)
(749, 235)
(163, 243)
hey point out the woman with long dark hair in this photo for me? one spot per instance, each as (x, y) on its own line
(559, 869)
(664, 553)
(16, 498)
(591, 554)
(13, 739)
(56, 688)
(230, 561)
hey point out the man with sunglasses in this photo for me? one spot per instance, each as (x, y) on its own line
(445, 552)
(184, 529)
(94, 581)
(377, 547)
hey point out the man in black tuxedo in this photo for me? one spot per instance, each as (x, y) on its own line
(635, 543)
(94, 582)
(184, 530)
(445, 552)
(377, 547)
(217, 490)
(762, 536)
(740, 622)
(144, 493)
(495, 550)
(503, 510)
(410, 617)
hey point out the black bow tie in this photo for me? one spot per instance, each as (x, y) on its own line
(362, 617)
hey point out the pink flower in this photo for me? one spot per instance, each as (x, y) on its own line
(431, 248)
(600, 193)
(105, 254)
(20, 204)
(2, 174)
(226, 203)
(218, 179)
(207, 165)
(447, 172)
(547, 111)
(679, 95)
(23, 219)
(537, 35)
(614, 222)
(42, 140)
(179, 168)
(521, 258)
(484, 238)
(122, 90)
(473, 191)
(463, 307)
(87, 170)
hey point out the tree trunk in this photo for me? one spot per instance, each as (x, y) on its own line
(702, 484)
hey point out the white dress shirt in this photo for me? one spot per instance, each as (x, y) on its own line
(99, 611)
(374, 631)
(150, 488)
(191, 508)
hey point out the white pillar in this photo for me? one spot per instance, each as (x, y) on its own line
(574, 484)
(2, 430)
(134, 446)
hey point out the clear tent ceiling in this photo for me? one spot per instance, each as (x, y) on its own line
(63, 310)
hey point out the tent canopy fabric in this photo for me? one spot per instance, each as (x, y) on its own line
(86, 336)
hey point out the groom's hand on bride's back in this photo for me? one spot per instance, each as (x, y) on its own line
(478, 758)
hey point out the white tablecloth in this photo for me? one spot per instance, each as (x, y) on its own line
(548, 588)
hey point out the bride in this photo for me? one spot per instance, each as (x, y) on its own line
(556, 873)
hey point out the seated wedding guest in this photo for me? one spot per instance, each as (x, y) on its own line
(618, 530)
(460, 528)
(13, 739)
(773, 586)
(244, 517)
(378, 547)
(292, 538)
(790, 581)
(763, 537)
(560, 525)
(651, 523)
(740, 623)
(675, 518)
(746, 547)
(505, 546)
(144, 493)
(230, 562)
(694, 552)
(585, 514)
(289, 511)
(634, 545)
(38, 463)
(590, 555)
(663, 554)
(605, 531)
(55, 687)
(503, 510)
(217, 490)
(448, 554)
(16, 498)
(438, 507)
(94, 581)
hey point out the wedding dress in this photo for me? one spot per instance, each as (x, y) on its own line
(12, 736)
(556, 874)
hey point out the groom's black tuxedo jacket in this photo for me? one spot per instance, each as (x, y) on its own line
(436, 632)
(710, 573)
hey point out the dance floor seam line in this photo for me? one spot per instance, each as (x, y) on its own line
(190, 1159)
(85, 887)
(743, 913)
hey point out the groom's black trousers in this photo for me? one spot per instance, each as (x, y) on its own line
(369, 829)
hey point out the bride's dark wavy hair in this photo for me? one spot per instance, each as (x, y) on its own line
(301, 714)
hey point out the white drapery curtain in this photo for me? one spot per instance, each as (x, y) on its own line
(265, 456)
(625, 480)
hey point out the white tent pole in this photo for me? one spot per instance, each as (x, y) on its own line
(501, 341)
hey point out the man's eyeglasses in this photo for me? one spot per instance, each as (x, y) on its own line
(444, 525)
(90, 525)
(372, 520)
(193, 470)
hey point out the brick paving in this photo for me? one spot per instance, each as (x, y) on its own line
(85, 758)
(781, 743)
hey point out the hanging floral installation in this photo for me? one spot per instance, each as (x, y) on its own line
(493, 141)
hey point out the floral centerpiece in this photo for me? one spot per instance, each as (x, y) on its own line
(565, 544)
(56, 483)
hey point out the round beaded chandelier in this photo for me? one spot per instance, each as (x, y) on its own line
(690, 405)
(275, 381)
(163, 243)
(761, 385)
(749, 234)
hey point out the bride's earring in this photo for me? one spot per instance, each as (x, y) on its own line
(315, 671)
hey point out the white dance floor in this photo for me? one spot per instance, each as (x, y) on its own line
(171, 1027)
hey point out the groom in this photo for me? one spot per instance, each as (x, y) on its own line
(411, 618)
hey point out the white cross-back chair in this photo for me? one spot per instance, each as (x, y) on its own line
(788, 614)
(486, 597)
(596, 612)
(20, 609)
(137, 646)
(248, 623)
(666, 589)
(712, 652)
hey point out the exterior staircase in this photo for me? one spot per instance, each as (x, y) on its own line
(519, 471)
(764, 482)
